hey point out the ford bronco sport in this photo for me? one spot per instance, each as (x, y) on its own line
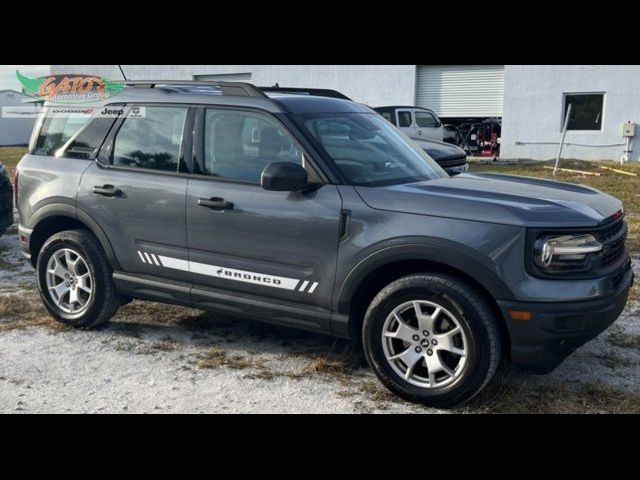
(317, 213)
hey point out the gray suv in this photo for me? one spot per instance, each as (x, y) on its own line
(317, 213)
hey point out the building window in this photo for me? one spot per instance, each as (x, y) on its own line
(586, 111)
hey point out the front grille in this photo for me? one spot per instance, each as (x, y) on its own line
(610, 232)
(613, 240)
(447, 162)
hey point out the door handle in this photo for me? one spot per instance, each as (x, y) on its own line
(215, 204)
(107, 191)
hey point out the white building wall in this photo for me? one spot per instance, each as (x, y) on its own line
(375, 85)
(14, 131)
(533, 109)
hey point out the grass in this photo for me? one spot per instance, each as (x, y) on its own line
(10, 156)
(623, 187)
(19, 311)
(623, 340)
(590, 398)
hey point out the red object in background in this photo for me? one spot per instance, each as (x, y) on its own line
(488, 140)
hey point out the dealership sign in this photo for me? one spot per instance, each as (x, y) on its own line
(69, 88)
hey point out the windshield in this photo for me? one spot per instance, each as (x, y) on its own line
(369, 151)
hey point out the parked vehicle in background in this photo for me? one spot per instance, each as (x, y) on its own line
(418, 123)
(6, 200)
(316, 213)
(450, 157)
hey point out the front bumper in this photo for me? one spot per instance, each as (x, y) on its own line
(458, 169)
(556, 329)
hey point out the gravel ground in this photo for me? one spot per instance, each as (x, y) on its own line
(161, 359)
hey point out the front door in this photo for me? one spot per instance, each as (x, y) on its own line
(247, 241)
(428, 126)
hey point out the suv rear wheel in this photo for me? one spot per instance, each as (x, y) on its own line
(432, 339)
(74, 280)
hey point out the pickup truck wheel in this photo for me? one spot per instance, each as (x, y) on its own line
(431, 339)
(74, 280)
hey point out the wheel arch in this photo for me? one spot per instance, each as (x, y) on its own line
(370, 276)
(55, 218)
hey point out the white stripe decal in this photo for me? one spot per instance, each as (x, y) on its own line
(175, 263)
(232, 274)
(148, 258)
(141, 257)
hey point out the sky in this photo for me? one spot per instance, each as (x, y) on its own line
(8, 74)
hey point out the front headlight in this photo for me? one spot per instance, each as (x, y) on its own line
(566, 253)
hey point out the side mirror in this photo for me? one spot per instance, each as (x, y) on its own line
(284, 177)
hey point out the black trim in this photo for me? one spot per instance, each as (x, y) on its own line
(254, 307)
(438, 252)
(185, 159)
(147, 287)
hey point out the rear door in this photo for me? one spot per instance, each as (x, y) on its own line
(134, 191)
(280, 246)
(405, 122)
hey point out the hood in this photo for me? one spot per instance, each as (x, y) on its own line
(440, 150)
(496, 198)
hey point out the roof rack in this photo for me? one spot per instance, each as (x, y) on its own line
(201, 86)
(316, 92)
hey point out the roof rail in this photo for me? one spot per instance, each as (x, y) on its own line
(316, 92)
(225, 88)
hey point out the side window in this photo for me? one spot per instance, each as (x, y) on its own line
(404, 119)
(426, 120)
(151, 141)
(389, 117)
(56, 130)
(86, 143)
(239, 145)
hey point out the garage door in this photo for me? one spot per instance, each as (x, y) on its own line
(461, 90)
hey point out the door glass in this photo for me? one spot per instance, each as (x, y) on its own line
(389, 117)
(404, 119)
(151, 141)
(56, 130)
(239, 145)
(426, 120)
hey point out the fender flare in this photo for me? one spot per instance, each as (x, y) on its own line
(66, 210)
(441, 252)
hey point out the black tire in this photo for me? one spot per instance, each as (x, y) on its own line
(476, 320)
(103, 302)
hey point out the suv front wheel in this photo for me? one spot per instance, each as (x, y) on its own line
(74, 280)
(432, 339)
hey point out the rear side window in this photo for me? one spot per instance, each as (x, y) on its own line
(151, 141)
(389, 117)
(57, 130)
(87, 142)
(404, 119)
